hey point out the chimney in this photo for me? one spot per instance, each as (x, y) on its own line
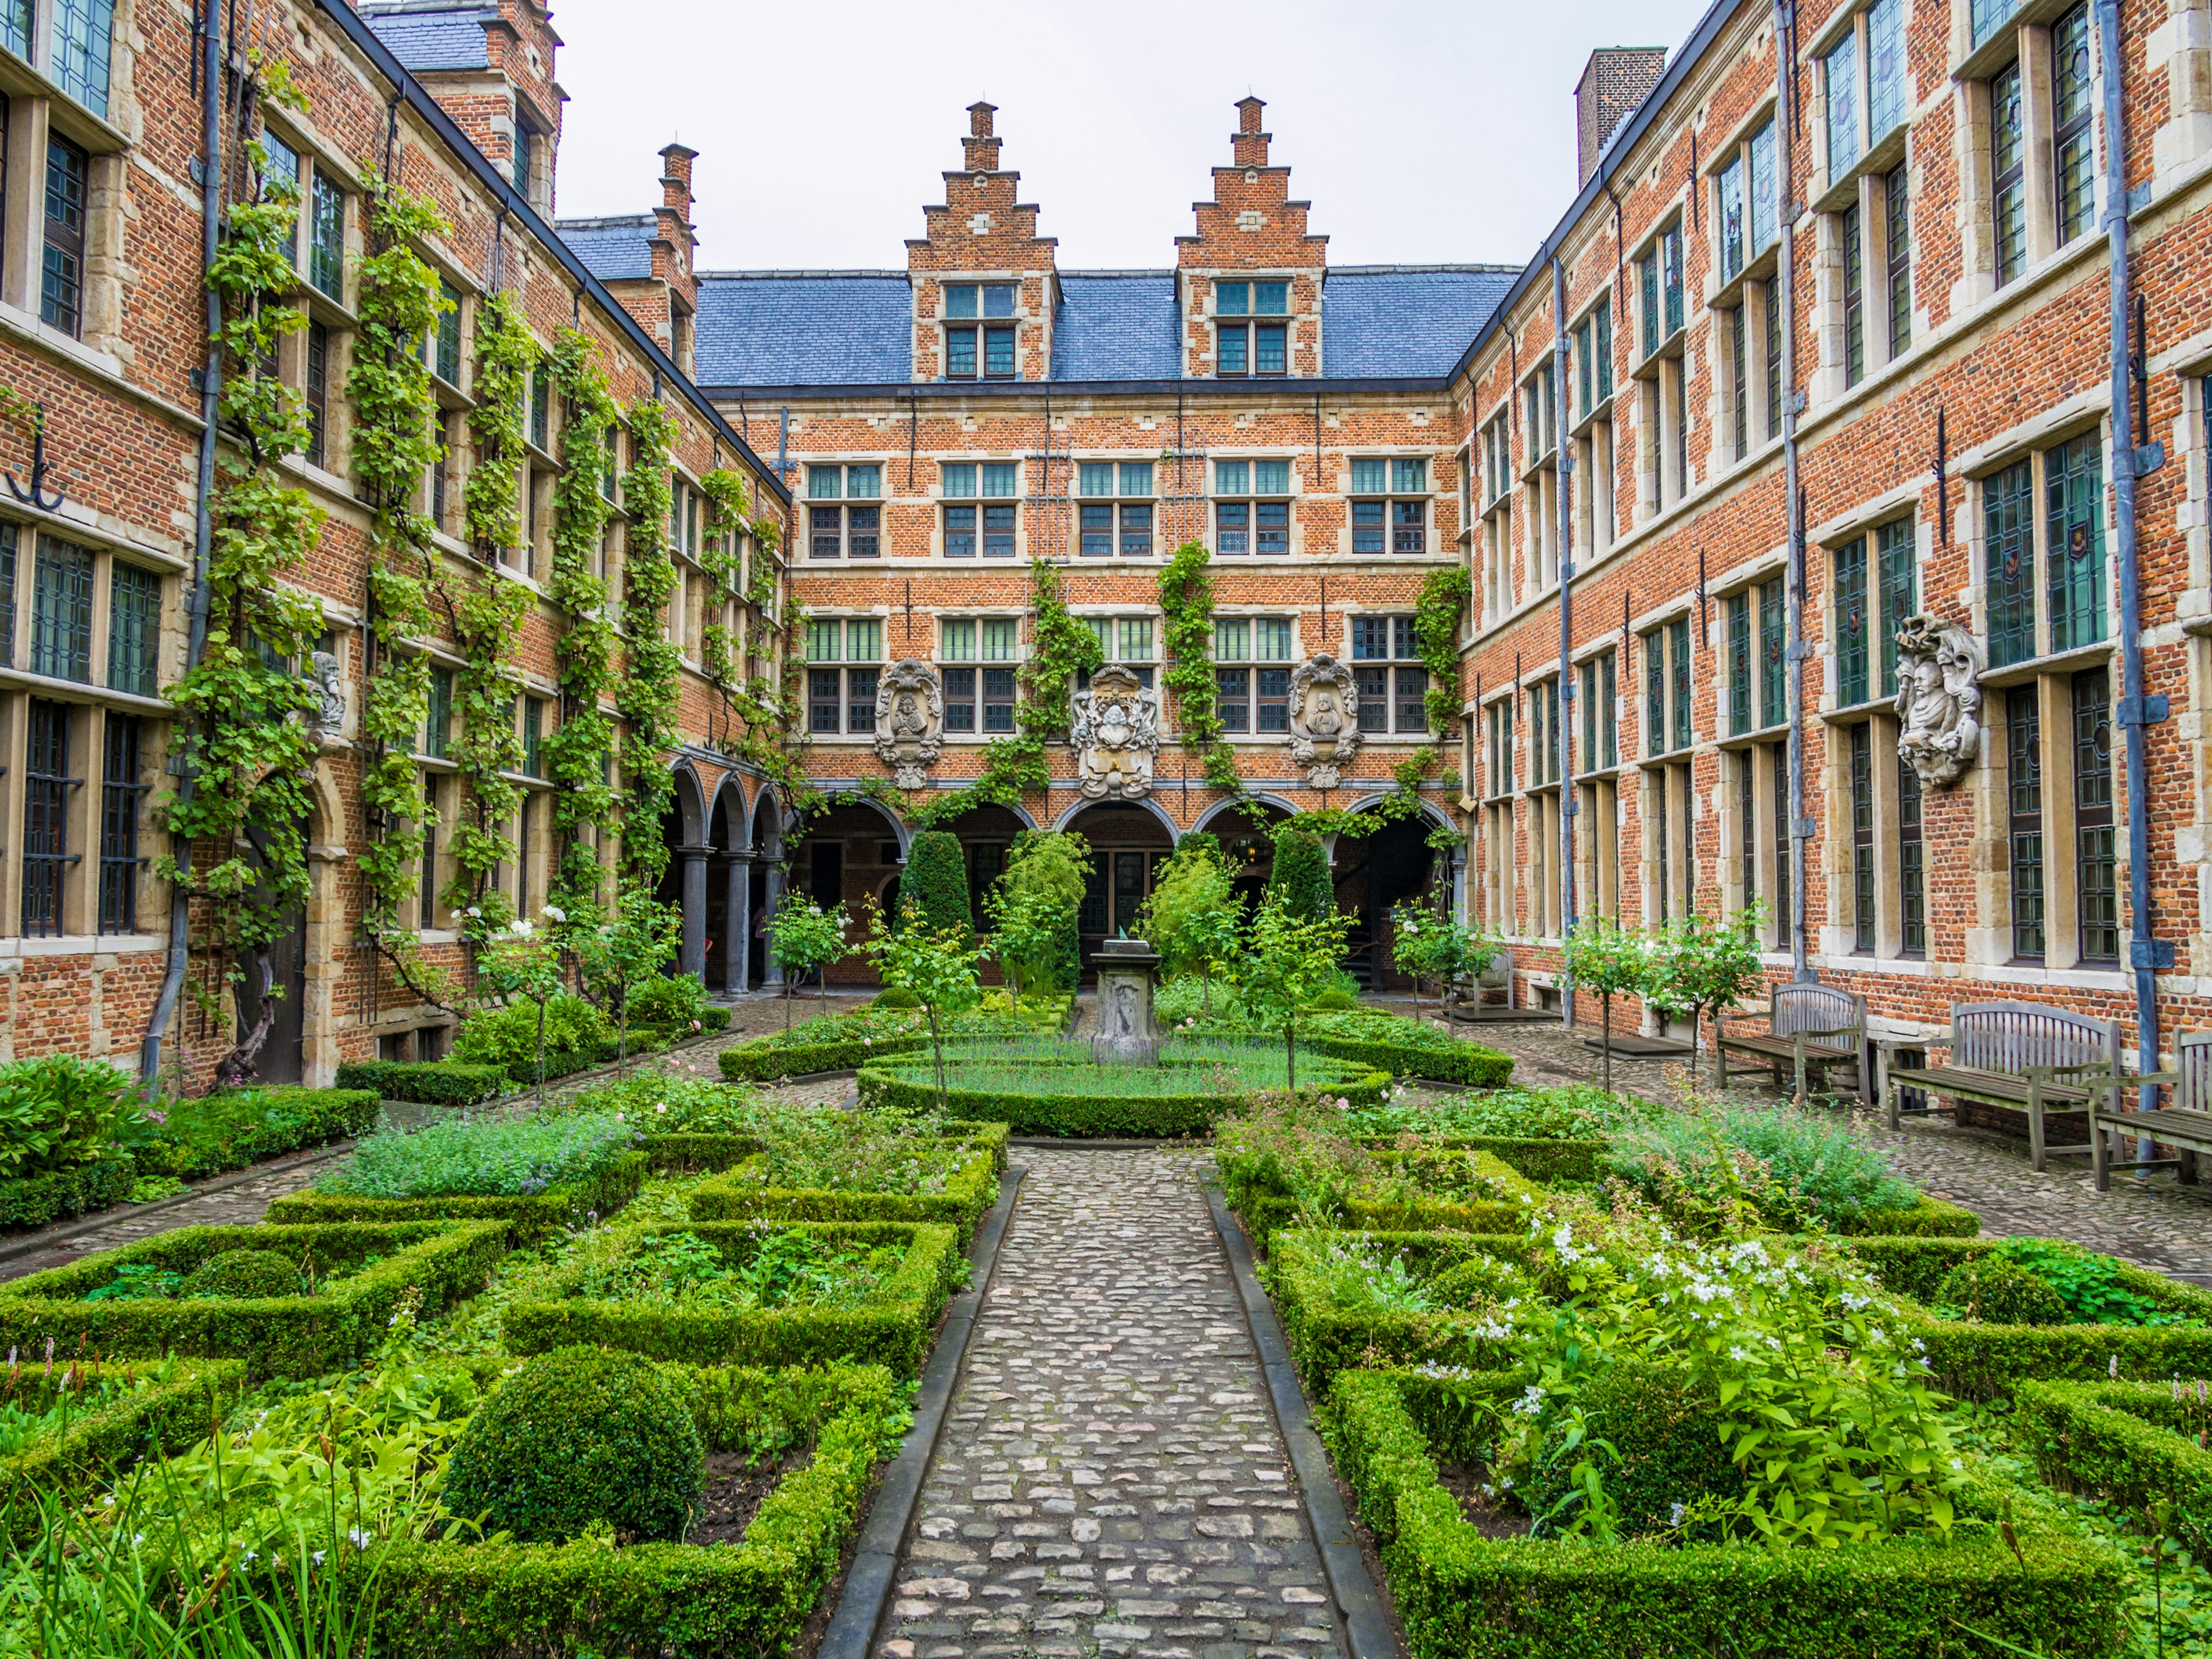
(676, 181)
(981, 147)
(1251, 142)
(1614, 81)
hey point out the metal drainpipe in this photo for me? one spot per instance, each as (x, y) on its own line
(2137, 710)
(211, 70)
(1793, 579)
(1563, 740)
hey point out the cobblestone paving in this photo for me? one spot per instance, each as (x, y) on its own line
(1110, 1480)
(2155, 1221)
(235, 1207)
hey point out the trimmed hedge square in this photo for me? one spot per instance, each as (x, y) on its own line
(742, 1195)
(1264, 1206)
(372, 1267)
(892, 1327)
(426, 1082)
(531, 1218)
(177, 1405)
(1462, 1596)
(456, 1600)
(1078, 1115)
(1325, 1339)
(2133, 1443)
(687, 1153)
(64, 1194)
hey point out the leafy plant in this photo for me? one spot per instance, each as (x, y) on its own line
(137, 1281)
(1040, 896)
(781, 1270)
(2087, 1283)
(627, 951)
(672, 1105)
(1191, 917)
(1288, 959)
(523, 963)
(1301, 880)
(1699, 966)
(1353, 1276)
(1187, 613)
(1788, 1167)
(509, 1036)
(496, 1158)
(671, 1002)
(937, 964)
(1429, 947)
(1603, 956)
(936, 883)
(645, 692)
(1578, 1111)
(803, 938)
(1996, 1291)
(56, 1113)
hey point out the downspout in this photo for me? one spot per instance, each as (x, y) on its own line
(1794, 584)
(211, 70)
(2137, 710)
(1562, 740)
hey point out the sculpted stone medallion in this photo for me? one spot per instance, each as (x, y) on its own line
(1324, 719)
(909, 721)
(1115, 736)
(1938, 704)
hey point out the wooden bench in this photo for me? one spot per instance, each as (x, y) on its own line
(2027, 1055)
(1807, 1026)
(1490, 989)
(2186, 1125)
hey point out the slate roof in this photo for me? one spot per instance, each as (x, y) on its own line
(441, 38)
(611, 249)
(805, 328)
(855, 328)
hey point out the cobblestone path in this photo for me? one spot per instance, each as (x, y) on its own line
(1110, 1478)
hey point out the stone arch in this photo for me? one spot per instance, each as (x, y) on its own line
(729, 803)
(691, 805)
(1220, 809)
(1376, 874)
(1435, 815)
(1146, 803)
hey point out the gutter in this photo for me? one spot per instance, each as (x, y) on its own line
(1800, 827)
(1564, 739)
(196, 609)
(501, 190)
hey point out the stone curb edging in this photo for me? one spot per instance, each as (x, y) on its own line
(852, 1629)
(31, 1244)
(1365, 1624)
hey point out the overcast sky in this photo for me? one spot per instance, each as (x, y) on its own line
(1421, 133)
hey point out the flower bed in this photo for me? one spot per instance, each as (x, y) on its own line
(1463, 1596)
(968, 1187)
(688, 1153)
(192, 1140)
(889, 1325)
(531, 1217)
(1354, 1298)
(427, 1083)
(122, 1412)
(361, 1271)
(1387, 1042)
(2133, 1443)
(487, 1600)
(1445, 1190)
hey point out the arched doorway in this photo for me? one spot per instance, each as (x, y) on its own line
(848, 856)
(1128, 843)
(1374, 874)
(1241, 828)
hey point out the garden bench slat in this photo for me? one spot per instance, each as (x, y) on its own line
(2186, 1126)
(2027, 1055)
(1807, 1026)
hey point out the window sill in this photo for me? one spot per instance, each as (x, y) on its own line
(1759, 268)
(1879, 157)
(1763, 734)
(83, 944)
(95, 132)
(2019, 673)
(78, 691)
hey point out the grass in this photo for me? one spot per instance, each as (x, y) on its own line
(482, 1157)
(1579, 1111)
(1051, 1066)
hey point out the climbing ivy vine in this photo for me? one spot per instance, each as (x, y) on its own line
(722, 559)
(645, 693)
(1187, 601)
(576, 752)
(243, 738)
(1443, 599)
(395, 441)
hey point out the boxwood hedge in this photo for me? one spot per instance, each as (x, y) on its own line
(892, 1327)
(210, 1137)
(62, 1194)
(428, 1083)
(2133, 1443)
(843, 1042)
(1326, 1339)
(688, 1153)
(1265, 1204)
(169, 1404)
(531, 1218)
(1087, 1115)
(744, 1194)
(1463, 1596)
(370, 1267)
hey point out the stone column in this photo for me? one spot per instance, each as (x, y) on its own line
(774, 903)
(691, 955)
(738, 923)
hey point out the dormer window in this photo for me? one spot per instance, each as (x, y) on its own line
(966, 306)
(1246, 343)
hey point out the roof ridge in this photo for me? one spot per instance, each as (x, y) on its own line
(612, 221)
(1418, 270)
(771, 275)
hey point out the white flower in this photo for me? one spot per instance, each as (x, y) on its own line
(2112, 1369)
(1530, 1402)
(472, 911)
(519, 927)
(1674, 1516)
(1956, 1464)
(246, 1558)
(554, 913)
(358, 1537)
(318, 1557)
(661, 1110)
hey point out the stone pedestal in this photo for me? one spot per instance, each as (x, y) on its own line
(1126, 1035)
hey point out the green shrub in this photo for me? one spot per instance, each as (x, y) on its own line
(1395, 1044)
(1795, 1169)
(1047, 871)
(484, 1159)
(241, 1274)
(2093, 1288)
(840, 1043)
(962, 1183)
(1998, 1292)
(56, 1113)
(896, 996)
(1666, 1449)
(363, 1272)
(428, 1083)
(191, 1139)
(1301, 876)
(529, 1218)
(507, 1037)
(1578, 1111)
(936, 883)
(659, 1103)
(1186, 998)
(1335, 1000)
(578, 1438)
(1306, 1272)
(63, 1195)
(2136, 1445)
(669, 1002)
(116, 1414)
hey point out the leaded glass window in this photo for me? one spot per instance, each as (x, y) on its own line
(61, 616)
(1850, 574)
(2024, 825)
(2097, 861)
(2074, 507)
(134, 629)
(2008, 548)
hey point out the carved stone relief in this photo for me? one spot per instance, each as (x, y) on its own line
(1324, 719)
(1938, 704)
(909, 721)
(1115, 736)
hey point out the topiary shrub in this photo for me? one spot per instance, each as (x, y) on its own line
(580, 1437)
(243, 1274)
(936, 881)
(1301, 876)
(897, 997)
(1996, 1291)
(1663, 1427)
(669, 1002)
(503, 1036)
(1335, 1000)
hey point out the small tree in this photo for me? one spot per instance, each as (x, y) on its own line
(1700, 965)
(523, 963)
(1601, 958)
(804, 937)
(936, 881)
(1427, 945)
(1288, 961)
(1052, 866)
(1191, 917)
(938, 965)
(1027, 936)
(1301, 875)
(622, 954)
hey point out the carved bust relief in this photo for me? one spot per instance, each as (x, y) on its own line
(1115, 736)
(1938, 704)
(326, 718)
(1324, 719)
(909, 721)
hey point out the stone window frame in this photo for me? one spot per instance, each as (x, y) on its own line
(978, 326)
(1245, 491)
(1127, 517)
(1660, 370)
(1252, 321)
(856, 676)
(1244, 661)
(1395, 497)
(1496, 533)
(1118, 638)
(1497, 716)
(2036, 448)
(982, 531)
(847, 532)
(1597, 779)
(1595, 508)
(1402, 669)
(1537, 398)
(1542, 795)
(951, 659)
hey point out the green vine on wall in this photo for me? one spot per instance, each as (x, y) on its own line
(395, 442)
(646, 693)
(506, 354)
(722, 558)
(1443, 599)
(1187, 603)
(576, 751)
(244, 739)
